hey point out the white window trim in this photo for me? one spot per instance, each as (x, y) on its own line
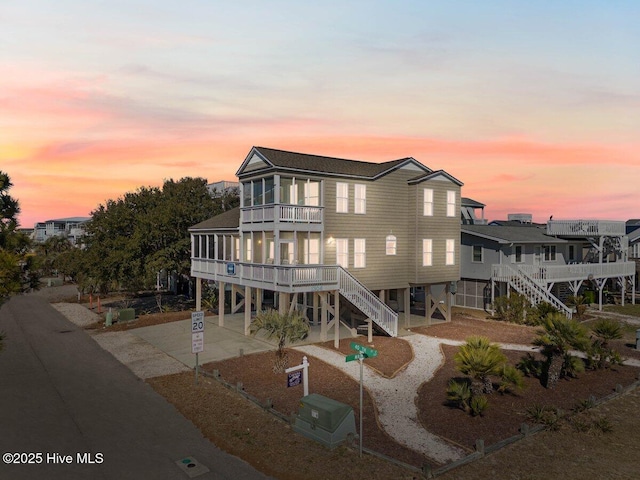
(360, 199)
(427, 202)
(345, 254)
(342, 198)
(515, 254)
(473, 260)
(450, 252)
(553, 253)
(451, 203)
(427, 252)
(391, 245)
(359, 256)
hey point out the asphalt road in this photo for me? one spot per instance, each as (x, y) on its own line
(69, 410)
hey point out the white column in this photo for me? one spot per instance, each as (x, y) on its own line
(221, 288)
(247, 309)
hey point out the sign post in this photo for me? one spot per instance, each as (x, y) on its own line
(363, 352)
(294, 379)
(197, 336)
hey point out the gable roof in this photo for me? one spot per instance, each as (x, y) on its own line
(301, 162)
(470, 202)
(522, 234)
(432, 175)
(229, 220)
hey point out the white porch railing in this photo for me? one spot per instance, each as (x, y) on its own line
(300, 278)
(291, 278)
(282, 213)
(572, 272)
(368, 302)
(585, 228)
(529, 287)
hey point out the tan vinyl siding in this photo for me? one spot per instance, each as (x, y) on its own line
(386, 214)
(439, 228)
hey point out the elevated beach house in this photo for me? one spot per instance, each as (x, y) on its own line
(546, 263)
(339, 240)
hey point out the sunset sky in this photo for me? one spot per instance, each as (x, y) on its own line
(535, 106)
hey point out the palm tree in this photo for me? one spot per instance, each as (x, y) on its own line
(480, 359)
(580, 304)
(558, 336)
(605, 330)
(288, 327)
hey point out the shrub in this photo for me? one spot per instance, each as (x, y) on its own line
(579, 302)
(478, 405)
(459, 393)
(510, 378)
(514, 308)
(530, 366)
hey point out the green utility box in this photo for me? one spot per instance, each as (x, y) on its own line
(590, 296)
(126, 314)
(325, 420)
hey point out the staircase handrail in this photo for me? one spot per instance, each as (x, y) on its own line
(368, 302)
(536, 292)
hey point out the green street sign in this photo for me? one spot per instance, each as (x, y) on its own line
(370, 352)
(355, 356)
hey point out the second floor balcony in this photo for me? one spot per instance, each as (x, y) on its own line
(301, 214)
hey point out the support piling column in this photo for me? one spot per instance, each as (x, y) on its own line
(247, 309)
(336, 309)
(407, 307)
(221, 289)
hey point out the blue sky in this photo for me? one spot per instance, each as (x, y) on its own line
(535, 106)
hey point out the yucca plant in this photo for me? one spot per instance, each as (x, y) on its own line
(288, 327)
(478, 404)
(600, 354)
(558, 336)
(480, 359)
(579, 302)
(510, 378)
(459, 394)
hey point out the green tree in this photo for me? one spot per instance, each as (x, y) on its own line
(18, 271)
(558, 336)
(132, 238)
(285, 328)
(50, 250)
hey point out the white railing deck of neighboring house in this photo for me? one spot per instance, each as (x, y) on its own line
(528, 287)
(586, 228)
(301, 278)
(544, 274)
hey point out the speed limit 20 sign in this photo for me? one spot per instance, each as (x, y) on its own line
(197, 322)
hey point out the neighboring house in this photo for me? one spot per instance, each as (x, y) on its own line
(545, 264)
(319, 234)
(634, 245)
(469, 212)
(71, 228)
(219, 188)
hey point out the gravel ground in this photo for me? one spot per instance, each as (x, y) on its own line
(401, 424)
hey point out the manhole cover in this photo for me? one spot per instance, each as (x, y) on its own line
(191, 467)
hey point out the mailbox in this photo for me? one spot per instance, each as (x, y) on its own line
(325, 420)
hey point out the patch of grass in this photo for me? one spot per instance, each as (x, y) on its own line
(628, 309)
